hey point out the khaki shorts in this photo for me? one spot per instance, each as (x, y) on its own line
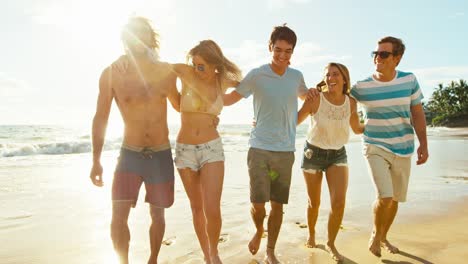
(390, 173)
(270, 175)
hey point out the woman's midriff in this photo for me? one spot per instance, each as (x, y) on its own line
(197, 128)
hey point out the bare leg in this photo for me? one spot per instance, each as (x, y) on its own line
(258, 213)
(158, 226)
(380, 214)
(314, 186)
(275, 219)
(391, 213)
(337, 179)
(212, 176)
(192, 185)
(120, 233)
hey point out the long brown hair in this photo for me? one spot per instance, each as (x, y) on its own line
(212, 54)
(344, 72)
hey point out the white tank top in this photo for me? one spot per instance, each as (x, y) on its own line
(329, 127)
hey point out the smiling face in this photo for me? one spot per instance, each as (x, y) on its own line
(334, 80)
(203, 70)
(388, 64)
(281, 54)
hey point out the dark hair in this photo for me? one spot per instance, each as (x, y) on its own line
(283, 33)
(135, 26)
(397, 44)
(344, 72)
(212, 54)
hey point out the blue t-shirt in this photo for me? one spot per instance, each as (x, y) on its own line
(387, 107)
(275, 106)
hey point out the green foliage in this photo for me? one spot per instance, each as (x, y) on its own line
(449, 105)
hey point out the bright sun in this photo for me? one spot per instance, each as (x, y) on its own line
(92, 29)
(97, 24)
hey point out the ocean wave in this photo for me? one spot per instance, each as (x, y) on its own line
(55, 148)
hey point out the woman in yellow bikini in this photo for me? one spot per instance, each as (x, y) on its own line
(199, 150)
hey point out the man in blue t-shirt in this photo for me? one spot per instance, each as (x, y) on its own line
(392, 103)
(275, 88)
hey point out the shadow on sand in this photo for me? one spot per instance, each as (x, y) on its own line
(408, 255)
(345, 261)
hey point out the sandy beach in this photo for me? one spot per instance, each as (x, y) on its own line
(51, 213)
(424, 239)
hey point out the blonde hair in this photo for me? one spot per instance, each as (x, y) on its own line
(321, 86)
(137, 25)
(212, 54)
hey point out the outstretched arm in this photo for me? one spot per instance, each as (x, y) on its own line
(181, 69)
(308, 107)
(419, 124)
(100, 120)
(354, 121)
(229, 84)
(231, 98)
(174, 95)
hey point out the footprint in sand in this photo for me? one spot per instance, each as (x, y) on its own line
(301, 225)
(223, 238)
(169, 241)
(349, 228)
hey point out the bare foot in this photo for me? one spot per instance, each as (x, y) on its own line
(374, 246)
(216, 260)
(270, 258)
(254, 243)
(335, 255)
(389, 247)
(310, 242)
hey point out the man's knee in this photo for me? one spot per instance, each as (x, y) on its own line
(258, 208)
(385, 202)
(157, 213)
(276, 208)
(120, 212)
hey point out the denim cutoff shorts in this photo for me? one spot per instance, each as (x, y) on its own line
(315, 158)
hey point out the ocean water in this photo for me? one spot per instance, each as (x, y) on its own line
(51, 213)
(17, 141)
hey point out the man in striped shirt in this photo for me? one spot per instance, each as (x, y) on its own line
(392, 103)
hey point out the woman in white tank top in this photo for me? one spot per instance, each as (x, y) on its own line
(331, 115)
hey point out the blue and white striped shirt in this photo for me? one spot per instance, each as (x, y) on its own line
(387, 108)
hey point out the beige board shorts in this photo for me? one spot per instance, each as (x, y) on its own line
(389, 172)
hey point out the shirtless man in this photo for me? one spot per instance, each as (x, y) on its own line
(145, 155)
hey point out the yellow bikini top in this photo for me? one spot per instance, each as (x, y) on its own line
(192, 101)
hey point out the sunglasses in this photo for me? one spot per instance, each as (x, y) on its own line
(199, 67)
(382, 54)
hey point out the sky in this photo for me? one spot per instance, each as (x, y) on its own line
(52, 52)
